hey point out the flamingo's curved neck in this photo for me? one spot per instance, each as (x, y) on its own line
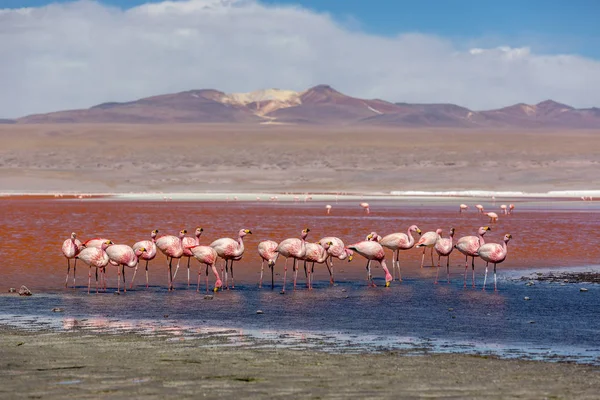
(481, 240)
(411, 239)
(240, 243)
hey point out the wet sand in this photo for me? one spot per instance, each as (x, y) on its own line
(84, 366)
(198, 158)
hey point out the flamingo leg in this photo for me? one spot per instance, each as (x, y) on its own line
(124, 284)
(272, 277)
(388, 276)
(232, 282)
(466, 268)
(485, 276)
(423, 258)
(262, 264)
(199, 275)
(394, 265)
(218, 282)
(307, 275)
(176, 269)
(398, 264)
(74, 272)
(437, 273)
(96, 282)
(188, 267)
(295, 270)
(448, 268)
(146, 274)
(226, 273)
(118, 279)
(68, 270)
(432, 264)
(284, 275)
(473, 268)
(133, 278)
(330, 269)
(90, 280)
(206, 278)
(171, 274)
(369, 276)
(495, 283)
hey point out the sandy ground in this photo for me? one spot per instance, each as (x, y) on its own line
(57, 366)
(196, 158)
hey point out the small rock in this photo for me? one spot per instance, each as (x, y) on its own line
(166, 315)
(565, 280)
(117, 293)
(209, 297)
(532, 322)
(526, 298)
(451, 309)
(347, 297)
(282, 292)
(58, 309)
(259, 312)
(563, 284)
(12, 290)
(343, 290)
(583, 289)
(23, 291)
(538, 273)
(454, 317)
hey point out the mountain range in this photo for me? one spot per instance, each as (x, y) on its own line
(319, 105)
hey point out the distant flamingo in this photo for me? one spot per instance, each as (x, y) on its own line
(70, 248)
(95, 257)
(188, 242)
(443, 247)
(172, 247)
(123, 256)
(208, 256)
(328, 208)
(479, 208)
(267, 250)
(292, 248)
(503, 208)
(315, 253)
(336, 249)
(494, 253)
(399, 241)
(468, 245)
(511, 207)
(365, 206)
(147, 255)
(428, 240)
(372, 250)
(462, 208)
(230, 250)
(493, 216)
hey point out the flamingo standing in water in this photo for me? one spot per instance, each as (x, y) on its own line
(493, 253)
(428, 240)
(95, 257)
(511, 207)
(503, 208)
(172, 247)
(493, 216)
(123, 256)
(372, 250)
(147, 255)
(70, 248)
(336, 249)
(267, 250)
(315, 253)
(443, 247)
(328, 208)
(365, 206)
(230, 250)
(292, 248)
(468, 245)
(399, 241)
(479, 208)
(188, 242)
(206, 255)
(462, 207)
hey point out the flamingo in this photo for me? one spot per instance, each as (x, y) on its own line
(399, 241)
(292, 248)
(372, 250)
(365, 206)
(336, 249)
(70, 248)
(511, 207)
(328, 208)
(428, 240)
(267, 251)
(206, 255)
(95, 257)
(188, 242)
(462, 208)
(172, 247)
(315, 253)
(493, 216)
(468, 245)
(148, 254)
(503, 208)
(123, 256)
(479, 208)
(443, 247)
(230, 250)
(493, 253)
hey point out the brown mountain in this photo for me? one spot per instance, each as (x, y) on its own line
(319, 105)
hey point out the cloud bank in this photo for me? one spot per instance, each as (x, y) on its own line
(74, 55)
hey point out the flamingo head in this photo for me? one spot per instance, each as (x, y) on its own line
(438, 231)
(305, 233)
(199, 232)
(73, 235)
(154, 233)
(507, 237)
(327, 245)
(414, 228)
(182, 233)
(271, 263)
(483, 230)
(350, 254)
(451, 233)
(244, 232)
(106, 244)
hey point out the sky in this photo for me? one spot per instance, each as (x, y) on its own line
(479, 54)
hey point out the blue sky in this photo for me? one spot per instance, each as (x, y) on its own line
(548, 26)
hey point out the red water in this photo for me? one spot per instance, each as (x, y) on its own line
(33, 230)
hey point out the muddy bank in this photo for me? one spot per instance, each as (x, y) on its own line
(53, 366)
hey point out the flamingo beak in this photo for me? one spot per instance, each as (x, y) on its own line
(509, 236)
(387, 284)
(350, 258)
(215, 290)
(248, 231)
(419, 231)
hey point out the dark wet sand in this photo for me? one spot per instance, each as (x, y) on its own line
(84, 366)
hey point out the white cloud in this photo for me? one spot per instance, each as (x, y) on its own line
(74, 55)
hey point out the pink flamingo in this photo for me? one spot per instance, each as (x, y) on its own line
(493, 253)
(372, 250)
(479, 208)
(462, 207)
(95, 257)
(123, 256)
(443, 247)
(147, 255)
(503, 208)
(95, 242)
(493, 216)
(511, 207)
(336, 249)
(267, 250)
(468, 245)
(206, 255)
(365, 206)
(428, 240)
(399, 241)
(172, 247)
(230, 250)
(70, 248)
(292, 248)
(188, 242)
(328, 208)
(315, 253)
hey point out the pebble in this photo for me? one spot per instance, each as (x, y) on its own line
(343, 290)
(166, 315)
(530, 283)
(451, 309)
(282, 292)
(209, 297)
(23, 291)
(565, 280)
(583, 289)
(532, 322)
(117, 293)
(58, 309)
(259, 312)
(526, 298)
